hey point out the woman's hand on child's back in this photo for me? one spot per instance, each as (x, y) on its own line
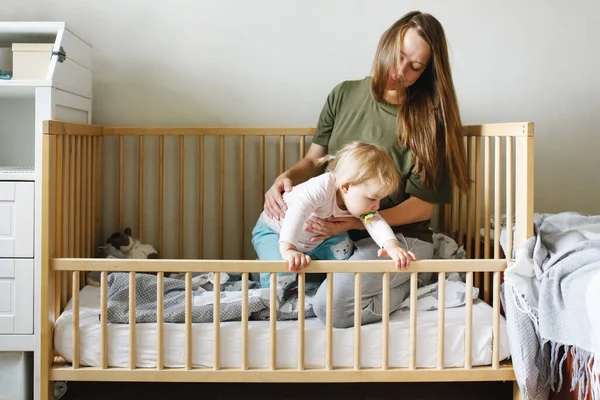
(296, 260)
(274, 205)
(325, 228)
(401, 257)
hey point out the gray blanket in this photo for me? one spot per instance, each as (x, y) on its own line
(547, 303)
(202, 299)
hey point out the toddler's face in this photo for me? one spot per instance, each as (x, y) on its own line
(362, 198)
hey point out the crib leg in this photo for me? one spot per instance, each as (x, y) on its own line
(517, 394)
(47, 391)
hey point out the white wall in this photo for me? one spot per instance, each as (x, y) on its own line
(192, 62)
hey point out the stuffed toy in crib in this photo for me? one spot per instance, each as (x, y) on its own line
(123, 243)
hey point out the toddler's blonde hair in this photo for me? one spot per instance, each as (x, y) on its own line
(358, 162)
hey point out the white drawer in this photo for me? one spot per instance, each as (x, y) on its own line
(16, 297)
(16, 219)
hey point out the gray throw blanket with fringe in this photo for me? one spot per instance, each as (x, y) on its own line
(548, 304)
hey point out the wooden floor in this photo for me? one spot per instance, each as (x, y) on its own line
(290, 391)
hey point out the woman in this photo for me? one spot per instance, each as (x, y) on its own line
(409, 107)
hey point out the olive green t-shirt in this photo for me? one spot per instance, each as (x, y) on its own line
(351, 113)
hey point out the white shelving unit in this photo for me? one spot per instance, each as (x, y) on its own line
(65, 94)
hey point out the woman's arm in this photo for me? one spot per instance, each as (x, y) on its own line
(407, 212)
(300, 172)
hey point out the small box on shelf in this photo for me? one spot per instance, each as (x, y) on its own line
(31, 60)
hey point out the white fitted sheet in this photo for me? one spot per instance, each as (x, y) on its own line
(287, 340)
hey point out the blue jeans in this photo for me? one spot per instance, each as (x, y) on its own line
(266, 243)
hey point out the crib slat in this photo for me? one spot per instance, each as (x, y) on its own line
(98, 143)
(486, 222)
(78, 201)
(496, 323)
(103, 319)
(413, 320)
(462, 220)
(120, 172)
(217, 321)
(90, 204)
(188, 320)
(244, 363)
(59, 222)
(497, 199)
(441, 319)
(509, 200)
(487, 197)
(478, 189)
(69, 178)
(329, 323)
(94, 183)
(302, 146)
(469, 246)
(221, 192)
(161, 168)
(58, 233)
(201, 156)
(160, 308)
(77, 206)
(455, 209)
(132, 322)
(478, 194)
(87, 206)
(73, 221)
(181, 193)
(241, 226)
(75, 308)
(385, 319)
(262, 172)
(301, 313)
(65, 290)
(140, 194)
(72, 191)
(468, 320)
(273, 320)
(100, 180)
(281, 154)
(357, 318)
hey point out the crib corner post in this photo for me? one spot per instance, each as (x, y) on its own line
(524, 189)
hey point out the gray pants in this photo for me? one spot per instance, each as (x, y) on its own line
(372, 285)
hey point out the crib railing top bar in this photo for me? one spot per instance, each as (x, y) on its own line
(208, 131)
(52, 127)
(177, 266)
(512, 129)
(55, 127)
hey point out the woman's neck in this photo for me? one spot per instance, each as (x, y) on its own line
(392, 96)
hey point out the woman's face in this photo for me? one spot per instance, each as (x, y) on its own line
(414, 57)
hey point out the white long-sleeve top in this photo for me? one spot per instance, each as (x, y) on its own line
(317, 197)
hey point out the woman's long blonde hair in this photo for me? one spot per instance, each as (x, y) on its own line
(429, 120)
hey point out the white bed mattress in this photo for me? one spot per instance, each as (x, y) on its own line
(287, 340)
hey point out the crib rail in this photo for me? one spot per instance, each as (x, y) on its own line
(440, 373)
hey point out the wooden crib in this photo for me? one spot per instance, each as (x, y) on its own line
(195, 194)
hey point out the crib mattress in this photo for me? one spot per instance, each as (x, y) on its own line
(287, 340)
